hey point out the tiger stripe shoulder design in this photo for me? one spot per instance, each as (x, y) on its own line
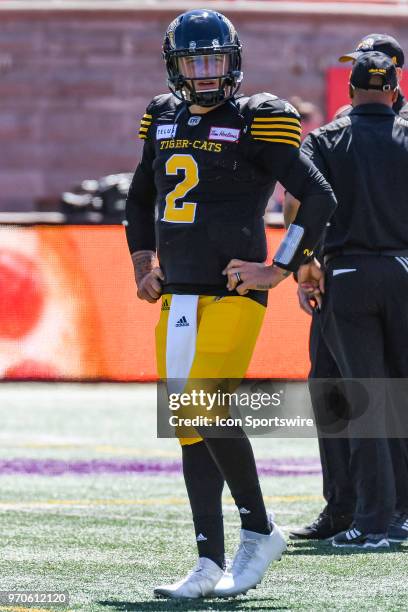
(159, 106)
(145, 123)
(275, 121)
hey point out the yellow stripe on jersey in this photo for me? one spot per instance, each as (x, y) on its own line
(277, 133)
(286, 130)
(274, 126)
(276, 120)
(283, 140)
(145, 124)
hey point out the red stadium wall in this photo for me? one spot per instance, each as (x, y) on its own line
(73, 83)
(68, 309)
(337, 88)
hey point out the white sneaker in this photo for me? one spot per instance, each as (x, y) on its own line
(255, 553)
(198, 583)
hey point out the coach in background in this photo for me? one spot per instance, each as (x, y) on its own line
(384, 43)
(328, 401)
(363, 316)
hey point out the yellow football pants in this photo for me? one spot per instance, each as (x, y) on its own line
(227, 330)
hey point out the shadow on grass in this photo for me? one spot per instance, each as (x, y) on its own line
(164, 605)
(325, 548)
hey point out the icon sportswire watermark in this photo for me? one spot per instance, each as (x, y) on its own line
(341, 408)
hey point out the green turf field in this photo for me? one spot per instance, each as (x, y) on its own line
(69, 523)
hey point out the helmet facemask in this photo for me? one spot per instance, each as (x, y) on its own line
(204, 77)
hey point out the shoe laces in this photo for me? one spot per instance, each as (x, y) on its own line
(245, 553)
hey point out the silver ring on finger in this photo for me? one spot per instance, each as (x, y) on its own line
(238, 277)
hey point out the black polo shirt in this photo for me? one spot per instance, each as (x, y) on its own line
(364, 157)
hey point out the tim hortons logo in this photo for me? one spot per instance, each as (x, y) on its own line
(224, 133)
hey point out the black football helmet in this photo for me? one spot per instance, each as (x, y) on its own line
(203, 57)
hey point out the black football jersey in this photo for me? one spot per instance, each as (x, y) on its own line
(364, 156)
(204, 182)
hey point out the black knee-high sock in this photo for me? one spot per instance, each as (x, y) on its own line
(204, 483)
(236, 462)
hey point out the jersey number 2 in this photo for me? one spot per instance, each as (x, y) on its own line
(184, 213)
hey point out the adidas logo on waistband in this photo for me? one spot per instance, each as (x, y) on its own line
(182, 322)
(165, 305)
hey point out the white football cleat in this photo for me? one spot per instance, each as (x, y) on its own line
(198, 583)
(255, 553)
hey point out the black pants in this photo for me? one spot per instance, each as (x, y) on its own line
(328, 406)
(365, 325)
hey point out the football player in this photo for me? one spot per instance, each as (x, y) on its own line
(210, 162)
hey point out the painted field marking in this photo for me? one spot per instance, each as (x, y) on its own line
(19, 609)
(102, 448)
(153, 501)
(118, 450)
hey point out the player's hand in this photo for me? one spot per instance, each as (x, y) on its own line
(149, 288)
(245, 275)
(310, 285)
(306, 301)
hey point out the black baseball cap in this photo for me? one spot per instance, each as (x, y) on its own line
(374, 64)
(377, 42)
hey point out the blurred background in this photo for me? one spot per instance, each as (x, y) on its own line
(75, 78)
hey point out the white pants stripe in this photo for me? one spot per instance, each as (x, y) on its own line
(181, 340)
